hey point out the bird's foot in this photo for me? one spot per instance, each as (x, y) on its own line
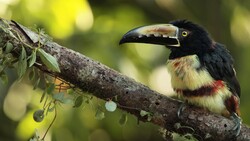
(237, 120)
(181, 108)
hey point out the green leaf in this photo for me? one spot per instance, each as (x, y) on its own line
(99, 114)
(22, 63)
(70, 91)
(23, 54)
(67, 100)
(9, 47)
(51, 108)
(144, 113)
(49, 60)
(36, 83)
(32, 59)
(51, 87)
(59, 96)
(4, 78)
(8, 59)
(78, 101)
(1, 52)
(42, 97)
(1, 68)
(110, 106)
(35, 137)
(38, 115)
(123, 119)
(149, 117)
(32, 74)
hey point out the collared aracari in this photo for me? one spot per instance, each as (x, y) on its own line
(201, 69)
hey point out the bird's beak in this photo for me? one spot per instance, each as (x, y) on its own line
(162, 34)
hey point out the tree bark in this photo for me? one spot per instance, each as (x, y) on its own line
(104, 83)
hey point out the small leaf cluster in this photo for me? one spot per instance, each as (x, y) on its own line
(27, 57)
(110, 106)
(50, 98)
(149, 115)
(6, 60)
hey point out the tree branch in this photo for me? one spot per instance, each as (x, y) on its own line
(104, 83)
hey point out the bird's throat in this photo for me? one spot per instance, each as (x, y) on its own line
(187, 73)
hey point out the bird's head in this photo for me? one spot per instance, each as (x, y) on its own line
(182, 37)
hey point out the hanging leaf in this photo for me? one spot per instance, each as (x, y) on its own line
(59, 96)
(78, 101)
(23, 54)
(70, 91)
(4, 78)
(110, 106)
(38, 115)
(36, 83)
(1, 52)
(68, 100)
(32, 58)
(9, 47)
(99, 114)
(51, 87)
(123, 119)
(2, 68)
(42, 97)
(22, 63)
(49, 60)
(51, 108)
(32, 74)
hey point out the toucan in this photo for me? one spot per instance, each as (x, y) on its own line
(201, 69)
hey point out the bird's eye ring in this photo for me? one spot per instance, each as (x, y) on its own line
(184, 33)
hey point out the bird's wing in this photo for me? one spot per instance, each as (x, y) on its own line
(219, 64)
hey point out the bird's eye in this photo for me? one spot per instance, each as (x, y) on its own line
(184, 33)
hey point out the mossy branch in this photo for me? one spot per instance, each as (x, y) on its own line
(133, 97)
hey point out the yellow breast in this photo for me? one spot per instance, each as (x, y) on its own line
(187, 74)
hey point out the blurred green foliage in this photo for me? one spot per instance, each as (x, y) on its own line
(94, 28)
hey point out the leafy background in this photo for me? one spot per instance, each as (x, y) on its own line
(94, 28)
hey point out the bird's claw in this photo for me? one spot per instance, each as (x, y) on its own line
(237, 120)
(180, 109)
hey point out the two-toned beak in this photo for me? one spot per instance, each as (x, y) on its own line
(161, 34)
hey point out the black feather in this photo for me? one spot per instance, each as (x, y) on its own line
(219, 64)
